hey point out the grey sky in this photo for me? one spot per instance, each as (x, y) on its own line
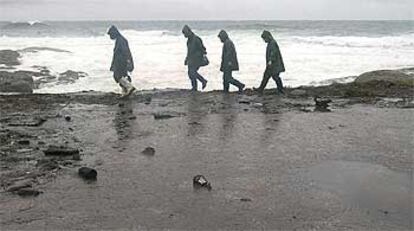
(204, 9)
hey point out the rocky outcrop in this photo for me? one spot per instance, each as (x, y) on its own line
(19, 82)
(9, 57)
(70, 76)
(391, 76)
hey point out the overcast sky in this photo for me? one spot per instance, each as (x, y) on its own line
(16, 10)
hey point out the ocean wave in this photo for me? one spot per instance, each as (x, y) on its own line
(37, 49)
(25, 25)
(358, 42)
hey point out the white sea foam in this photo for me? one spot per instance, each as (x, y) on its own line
(159, 57)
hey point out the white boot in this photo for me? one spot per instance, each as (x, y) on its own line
(126, 86)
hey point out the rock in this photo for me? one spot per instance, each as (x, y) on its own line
(245, 199)
(68, 118)
(24, 142)
(149, 151)
(244, 101)
(25, 192)
(200, 181)
(60, 151)
(298, 92)
(132, 118)
(88, 173)
(19, 185)
(47, 165)
(70, 76)
(322, 104)
(9, 57)
(147, 100)
(19, 82)
(76, 157)
(162, 116)
(392, 76)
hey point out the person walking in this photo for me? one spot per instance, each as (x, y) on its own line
(274, 63)
(122, 61)
(196, 57)
(229, 63)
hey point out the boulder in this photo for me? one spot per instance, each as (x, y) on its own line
(391, 76)
(18, 82)
(9, 57)
(87, 173)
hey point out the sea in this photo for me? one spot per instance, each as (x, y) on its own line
(314, 52)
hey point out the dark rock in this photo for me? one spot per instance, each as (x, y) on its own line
(149, 151)
(132, 118)
(245, 200)
(60, 151)
(9, 57)
(76, 157)
(88, 173)
(70, 76)
(19, 185)
(322, 104)
(147, 100)
(162, 116)
(68, 118)
(24, 142)
(26, 192)
(19, 82)
(242, 101)
(200, 181)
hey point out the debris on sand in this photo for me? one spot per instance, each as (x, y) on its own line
(149, 151)
(322, 104)
(60, 151)
(88, 173)
(19, 185)
(47, 165)
(163, 116)
(200, 181)
(26, 192)
(68, 118)
(23, 121)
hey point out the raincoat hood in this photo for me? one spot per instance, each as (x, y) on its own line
(113, 32)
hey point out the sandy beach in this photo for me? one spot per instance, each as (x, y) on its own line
(274, 163)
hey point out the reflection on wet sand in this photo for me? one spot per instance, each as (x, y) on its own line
(122, 120)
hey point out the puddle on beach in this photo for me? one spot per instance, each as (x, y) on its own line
(368, 186)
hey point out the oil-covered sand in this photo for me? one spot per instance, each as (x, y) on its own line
(273, 162)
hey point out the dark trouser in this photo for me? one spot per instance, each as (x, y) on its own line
(228, 79)
(194, 76)
(275, 76)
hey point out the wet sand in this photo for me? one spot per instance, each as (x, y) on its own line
(273, 163)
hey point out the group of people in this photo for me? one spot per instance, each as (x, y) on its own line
(122, 62)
